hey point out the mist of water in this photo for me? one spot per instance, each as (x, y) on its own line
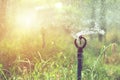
(95, 30)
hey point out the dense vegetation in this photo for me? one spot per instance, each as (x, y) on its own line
(45, 50)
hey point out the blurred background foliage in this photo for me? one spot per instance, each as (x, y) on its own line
(36, 40)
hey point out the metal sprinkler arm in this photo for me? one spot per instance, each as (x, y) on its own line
(80, 56)
(80, 38)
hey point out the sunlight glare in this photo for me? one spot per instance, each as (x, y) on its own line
(59, 5)
(25, 20)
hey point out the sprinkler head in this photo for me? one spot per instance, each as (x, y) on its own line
(81, 38)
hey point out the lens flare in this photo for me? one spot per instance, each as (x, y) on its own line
(25, 20)
(59, 5)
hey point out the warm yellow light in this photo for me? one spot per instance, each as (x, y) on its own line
(25, 20)
(59, 5)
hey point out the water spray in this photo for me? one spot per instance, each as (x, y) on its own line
(80, 54)
(95, 30)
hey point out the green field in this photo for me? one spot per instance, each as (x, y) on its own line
(26, 59)
(36, 39)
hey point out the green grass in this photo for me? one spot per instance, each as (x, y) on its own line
(27, 60)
